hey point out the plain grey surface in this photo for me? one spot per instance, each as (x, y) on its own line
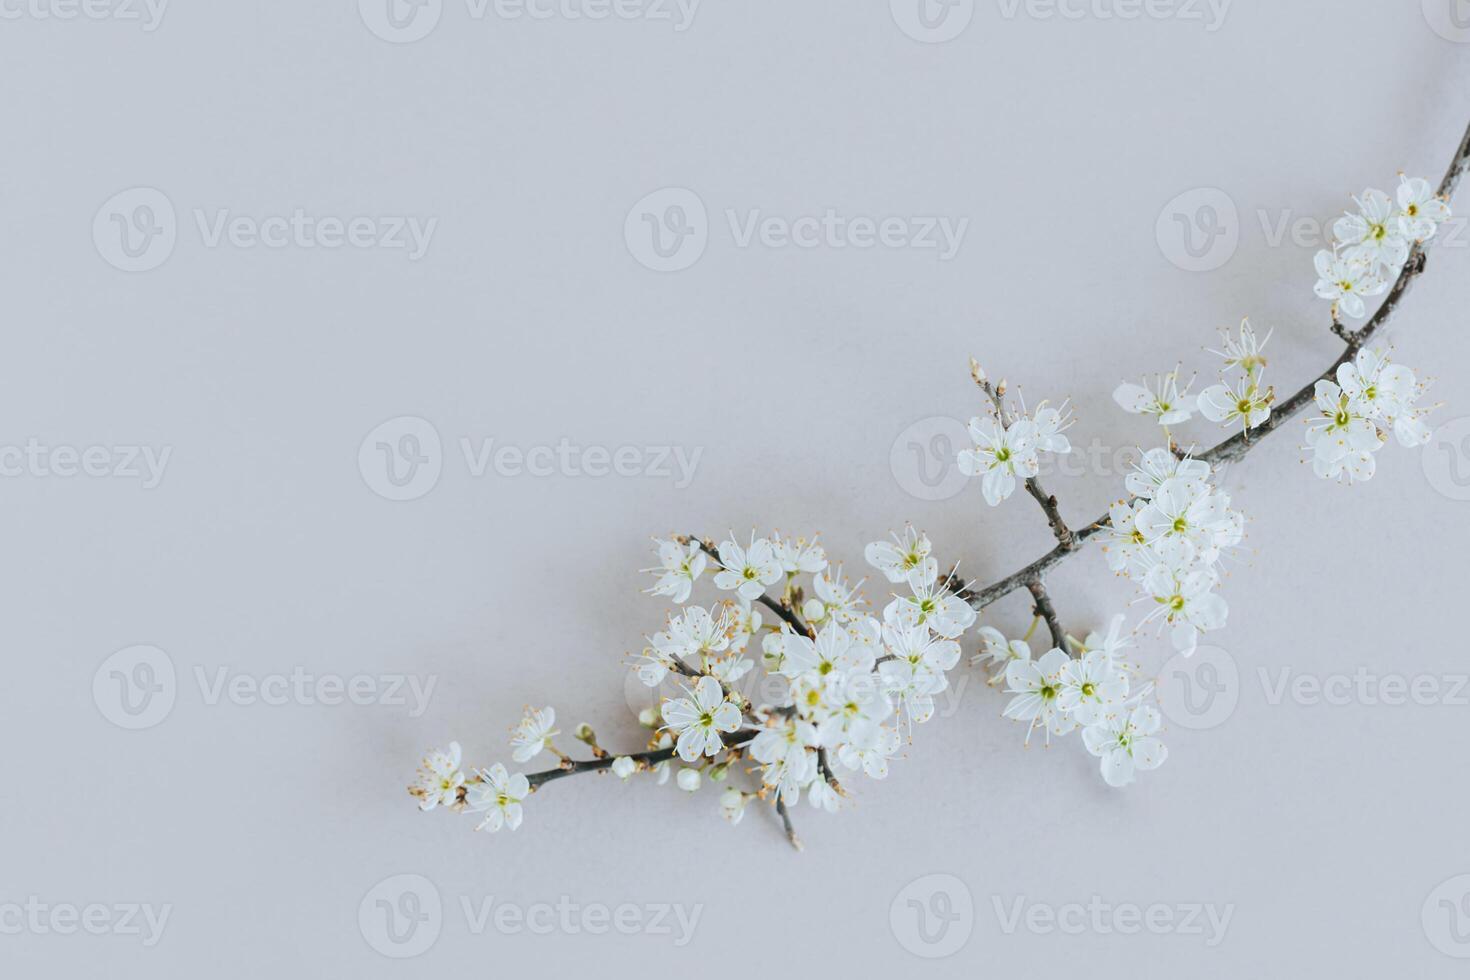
(1333, 833)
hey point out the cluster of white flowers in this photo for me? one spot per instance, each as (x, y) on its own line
(845, 686)
(1062, 693)
(1371, 397)
(1373, 244)
(1008, 444)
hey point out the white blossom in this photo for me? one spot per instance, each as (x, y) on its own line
(1347, 282)
(698, 720)
(439, 778)
(1125, 743)
(679, 567)
(1165, 401)
(532, 736)
(1001, 454)
(498, 795)
(747, 570)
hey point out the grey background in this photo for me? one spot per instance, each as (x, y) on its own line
(528, 320)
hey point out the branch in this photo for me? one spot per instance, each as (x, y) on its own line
(650, 758)
(786, 822)
(1241, 443)
(1048, 612)
(1047, 501)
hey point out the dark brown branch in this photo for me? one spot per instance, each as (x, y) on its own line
(1048, 612)
(650, 758)
(786, 822)
(1033, 486)
(1239, 444)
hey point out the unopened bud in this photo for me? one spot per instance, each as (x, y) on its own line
(586, 734)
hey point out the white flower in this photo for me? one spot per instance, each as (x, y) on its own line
(1185, 602)
(1243, 353)
(699, 719)
(1375, 233)
(1342, 437)
(498, 795)
(906, 554)
(1037, 684)
(533, 734)
(822, 796)
(1166, 402)
(732, 805)
(1420, 212)
(747, 570)
(789, 762)
(854, 701)
(1385, 390)
(1000, 455)
(1347, 282)
(1113, 643)
(1051, 423)
(1125, 743)
(931, 604)
(1188, 511)
(1245, 405)
(834, 598)
(1127, 544)
(832, 652)
(698, 632)
(915, 671)
(1159, 465)
(995, 649)
(679, 566)
(798, 555)
(869, 750)
(1089, 685)
(623, 767)
(914, 685)
(747, 623)
(689, 780)
(439, 778)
